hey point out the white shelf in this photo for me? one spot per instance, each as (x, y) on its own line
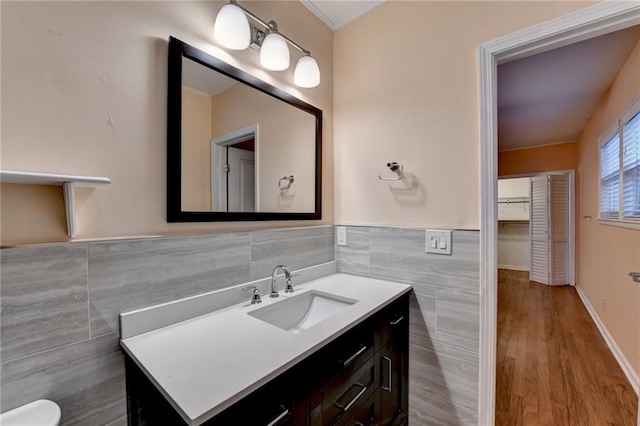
(67, 182)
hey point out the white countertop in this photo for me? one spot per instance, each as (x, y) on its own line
(206, 364)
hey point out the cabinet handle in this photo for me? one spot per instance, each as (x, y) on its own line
(275, 421)
(353, 401)
(358, 424)
(354, 356)
(388, 389)
(396, 321)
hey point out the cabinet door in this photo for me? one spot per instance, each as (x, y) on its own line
(394, 365)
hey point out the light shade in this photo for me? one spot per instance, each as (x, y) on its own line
(231, 28)
(307, 73)
(274, 53)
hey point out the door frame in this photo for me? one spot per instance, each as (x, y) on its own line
(218, 160)
(583, 24)
(572, 213)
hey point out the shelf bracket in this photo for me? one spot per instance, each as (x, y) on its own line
(68, 191)
(68, 183)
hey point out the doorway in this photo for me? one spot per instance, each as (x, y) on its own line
(234, 169)
(590, 22)
(536, 230)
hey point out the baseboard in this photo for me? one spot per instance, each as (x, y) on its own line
(514, 268)
(626, 366)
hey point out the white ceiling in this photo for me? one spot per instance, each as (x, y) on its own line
(204, 80)
(336, 13)
(548, 98)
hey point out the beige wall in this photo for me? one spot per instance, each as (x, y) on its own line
(285, 146)
(84, 89)
(196, 156)
(537, 160)
(406, 88)
(607, 253)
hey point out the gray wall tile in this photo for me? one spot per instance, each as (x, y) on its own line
(422, 311)
(445, 371)
(135, 274)
(458, 319)
(297, 248)
(122, 421)
(86, 379)
(444, 315)
(429, 410)
(354, 257)
(399, 253)
(331, 244)
(43, 298)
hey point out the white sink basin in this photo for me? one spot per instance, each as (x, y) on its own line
(300, 312)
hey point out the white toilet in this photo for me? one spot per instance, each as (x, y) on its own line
(37, 413)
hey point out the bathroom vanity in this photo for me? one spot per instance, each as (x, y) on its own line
(243, 365)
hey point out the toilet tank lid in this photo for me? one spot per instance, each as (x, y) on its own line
(37, 413)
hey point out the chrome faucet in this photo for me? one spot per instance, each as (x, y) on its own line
(287, 274)
(255, 294)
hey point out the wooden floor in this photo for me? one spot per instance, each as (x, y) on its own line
(553, 367)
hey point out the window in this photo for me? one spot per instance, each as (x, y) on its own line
(631, 168)
(620, 167)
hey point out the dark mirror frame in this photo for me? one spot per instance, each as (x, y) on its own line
(178, 50)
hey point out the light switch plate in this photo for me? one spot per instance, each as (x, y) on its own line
(341, 235)
(438, 241)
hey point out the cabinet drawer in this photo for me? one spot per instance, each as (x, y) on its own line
(339, 360)
(366, 414)
(347, 397)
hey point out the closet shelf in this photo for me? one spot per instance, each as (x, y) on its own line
(67, 182)
(503, 222)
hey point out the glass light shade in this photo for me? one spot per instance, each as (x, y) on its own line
(307, 73)
(274, 53)
(231, 28)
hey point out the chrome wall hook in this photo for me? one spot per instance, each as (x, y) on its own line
(394, 167)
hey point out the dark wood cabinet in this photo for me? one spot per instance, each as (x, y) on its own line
(394, 363)
(358, 379)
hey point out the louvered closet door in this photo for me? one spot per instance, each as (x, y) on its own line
(559, 226)
(539, 227)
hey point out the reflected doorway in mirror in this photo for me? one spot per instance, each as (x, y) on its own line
(234, 166)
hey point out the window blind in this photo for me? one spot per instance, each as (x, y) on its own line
(610, 178)
(631, 168)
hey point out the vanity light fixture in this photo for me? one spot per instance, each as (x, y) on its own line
(274, 53)
(230, 30)
(307, 73)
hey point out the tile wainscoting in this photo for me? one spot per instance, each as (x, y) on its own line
(60, 306)
(445, 315)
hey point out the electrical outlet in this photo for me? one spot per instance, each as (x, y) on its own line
(341, 235)
(603, 303)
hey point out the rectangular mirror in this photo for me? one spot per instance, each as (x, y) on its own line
(237, 147)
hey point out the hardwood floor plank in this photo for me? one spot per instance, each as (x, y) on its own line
(554, 367)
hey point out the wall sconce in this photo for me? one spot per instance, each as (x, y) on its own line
(232, 30)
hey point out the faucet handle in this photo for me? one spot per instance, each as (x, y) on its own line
(289, 287)
(255, 297)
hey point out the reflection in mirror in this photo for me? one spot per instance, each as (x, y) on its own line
(238, 142)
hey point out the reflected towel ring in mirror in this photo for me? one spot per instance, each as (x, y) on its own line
(285, 182)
